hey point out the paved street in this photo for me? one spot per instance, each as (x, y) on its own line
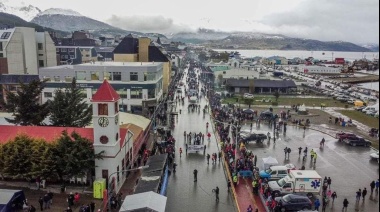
(350, 168)
(183, 193)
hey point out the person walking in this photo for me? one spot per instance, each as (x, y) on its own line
(249, 209)
(208, 158)
(299, 151)
(377, 184)
(334, 196)
(180, 152)
(372, 185)
(345, 204)
(174, 167)
(228, 185)
(216, 190)
(195, 172)
(317, 203)
(329, 182)
(364, 193)
(286, 151)
(219, 155)
(358, 194)
(41, 202)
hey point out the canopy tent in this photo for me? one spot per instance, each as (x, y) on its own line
(268, 162)
(147, 201)
(9, 199)
(248, 111)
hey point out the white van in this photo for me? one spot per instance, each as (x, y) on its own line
(274, 172)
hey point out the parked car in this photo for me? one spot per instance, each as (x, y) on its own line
(248, 96)
(293, 202)
(357, 141)
(360, 108)
(274, 172)
(371, 113)
(342, 135)
(258, 137)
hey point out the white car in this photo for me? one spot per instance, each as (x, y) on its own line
(248, 96)
(375, 156)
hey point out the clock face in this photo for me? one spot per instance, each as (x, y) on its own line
(116, 120)
(103, 139)
(103, 122)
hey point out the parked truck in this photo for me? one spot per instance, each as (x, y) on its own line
(307, 182)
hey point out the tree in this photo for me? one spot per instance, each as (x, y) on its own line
(69, 109)
(75, 155)
(276, 95)
(17, 157)
(43, 160)
(25, 104)
(248, 101)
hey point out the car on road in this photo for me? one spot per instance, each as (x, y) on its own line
(258, 137)
(342, 135)
(357, 141)
(375, 155)
(293, 202)
(248, 96)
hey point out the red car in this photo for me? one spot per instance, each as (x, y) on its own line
(342, 135)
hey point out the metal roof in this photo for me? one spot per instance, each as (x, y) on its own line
(261, 83)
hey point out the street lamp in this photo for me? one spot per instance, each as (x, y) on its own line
(109, 181)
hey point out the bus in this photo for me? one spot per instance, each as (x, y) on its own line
(155, 177)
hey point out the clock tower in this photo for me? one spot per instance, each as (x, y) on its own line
(105, 116)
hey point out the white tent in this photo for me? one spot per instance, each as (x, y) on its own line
(148, 201)
(268, 162)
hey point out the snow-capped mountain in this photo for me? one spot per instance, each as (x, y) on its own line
(58, 11)
(25, 12)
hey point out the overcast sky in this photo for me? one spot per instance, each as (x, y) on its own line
(329, 20)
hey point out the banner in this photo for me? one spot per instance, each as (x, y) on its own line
(195, 148)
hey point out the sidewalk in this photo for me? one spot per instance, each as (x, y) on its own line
(245, 195)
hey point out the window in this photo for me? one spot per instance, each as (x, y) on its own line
(80, 75)
(41, 63)
(136, 93)
(107, 75)
(48, 94)
(149, 76)
(63, 50)
(1, 55)
(40, 46)
(116, 76)
(282, 172)
(57, 79)
(116, 107)
(71, 50)
(134, 76)
(151, 93)
(57, 49)
(94, 75)
(66, 56)
(40, 55)
(5, 35)
(68, 79)
(72, 56)
(103, 109)
(1, 46)
(62, 56)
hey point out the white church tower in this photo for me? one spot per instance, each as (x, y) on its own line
(107, 135)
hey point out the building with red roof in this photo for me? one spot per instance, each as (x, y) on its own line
(117, 143)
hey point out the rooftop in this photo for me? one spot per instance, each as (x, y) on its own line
(121, 64)
(105, 93)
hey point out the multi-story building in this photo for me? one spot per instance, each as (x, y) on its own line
(139, 84)
(89, 54)
(141, 49)
(71, 55)
(105, 53)
(23, 51)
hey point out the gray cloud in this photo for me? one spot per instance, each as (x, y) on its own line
(158, 24)
(329, 20)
